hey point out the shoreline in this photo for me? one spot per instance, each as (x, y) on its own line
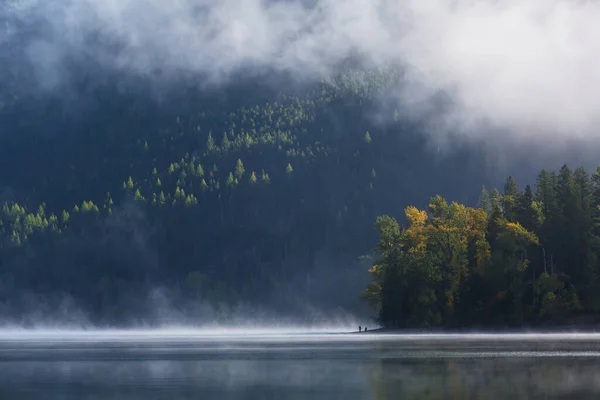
(583, 328)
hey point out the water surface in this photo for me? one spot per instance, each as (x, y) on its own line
(222, 365)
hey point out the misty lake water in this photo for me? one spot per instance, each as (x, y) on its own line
(167, 365)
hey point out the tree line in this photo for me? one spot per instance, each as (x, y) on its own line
(521, 257)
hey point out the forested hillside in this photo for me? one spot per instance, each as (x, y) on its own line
(240, 195)
(522, 257)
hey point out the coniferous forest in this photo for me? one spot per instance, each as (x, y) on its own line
(120, 207)
(518, 258)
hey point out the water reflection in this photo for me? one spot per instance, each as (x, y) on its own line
(486, 378)
(371, 367)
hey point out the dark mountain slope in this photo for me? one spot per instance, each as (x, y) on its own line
(248, 194)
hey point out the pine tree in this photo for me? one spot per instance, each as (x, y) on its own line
(583, 189)
(230, 180)
(210, 142)
(496, 201)
(129, 184)
(510, 187)
(265, 177)
(239, 169)
(253, 178)
(566, 193)
(566, 221)
(225, 143)
(510, 199)
(596, 187)
(545, 193)
(191, 200)
(88, 206)
(289, 169)
(586, 243)
(161, 198)
(527, 213)
(483, 201)
(138, 195)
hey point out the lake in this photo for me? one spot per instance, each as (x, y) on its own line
(220, 365)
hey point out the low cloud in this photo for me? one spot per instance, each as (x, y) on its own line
(531, 68)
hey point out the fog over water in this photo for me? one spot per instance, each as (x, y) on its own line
(287, 333)
(288, 363)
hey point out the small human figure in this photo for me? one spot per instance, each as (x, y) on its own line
(359, 328)
(365, 328)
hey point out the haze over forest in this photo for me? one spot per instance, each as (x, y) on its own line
(200, 161)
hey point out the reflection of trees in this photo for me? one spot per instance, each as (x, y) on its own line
(483, 378)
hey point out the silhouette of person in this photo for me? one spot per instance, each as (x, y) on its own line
(359, 328)
(365, 328)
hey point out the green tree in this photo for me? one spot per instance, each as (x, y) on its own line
(162, 200)
(179, 193)
(239, 169)
(545, 193)
(510, 187)
(129, 184)
(225, 142)
(264, 177)
(596, 187)
(529, 212)
(510, 199)
(514, 241)
(138, 195)
(417, 280)
(230, 180)
(496, 202)
(210, 142)
(253, 178)
(191, 200)
(483, 201)
(89, 206)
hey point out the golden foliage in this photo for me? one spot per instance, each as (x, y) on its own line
(415, 216)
